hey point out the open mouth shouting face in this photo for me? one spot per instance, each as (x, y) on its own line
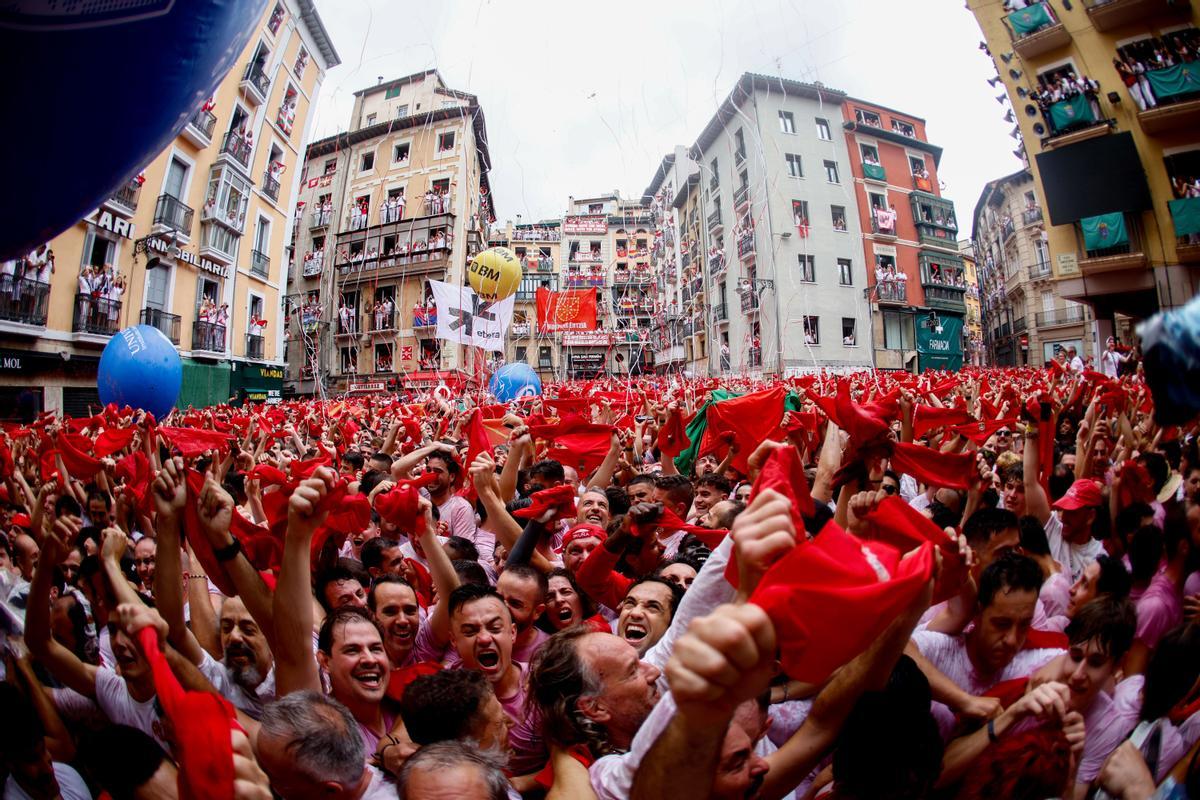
(646, 614)
(564, 606)
(482, 631)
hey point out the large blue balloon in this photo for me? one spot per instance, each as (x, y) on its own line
(514, 381)
(140, 368)
(94, 91)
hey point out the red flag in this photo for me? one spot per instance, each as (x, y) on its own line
(750, 419)
(78, 463)
(926, 418)
(673, 439)
(478, 442)
(573, 310)
(576, 442)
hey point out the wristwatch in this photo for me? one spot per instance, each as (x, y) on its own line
(229, 552)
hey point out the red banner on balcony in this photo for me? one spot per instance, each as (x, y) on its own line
(566, 311)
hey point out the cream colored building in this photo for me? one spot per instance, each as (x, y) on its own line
(537, 246)
(206, 222)
(398, 200)
(1026, 317)
(974, 351)
(1102, 166)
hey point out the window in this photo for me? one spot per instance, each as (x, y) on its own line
(449, 104)
(812, 330)
(402, 111)
(371, 119)
(301, 63)
(520, 352)
(393, 91)
(262, 236)
(595, 208)
(331, 166)
(870, 154)
(838, 214)
(715, 180)
(898, 331)
(739, 140)
(845, 275)
(800, 216)
(823, 130)
(808, 268)
(544, 357)
(849, 332)
(277, 15)
(867, 118)
(831, 172)
(795, 168)
(368, 162)
(445, 142)
(400, 153)
(787, 123)
(916, 165)
(176, 178)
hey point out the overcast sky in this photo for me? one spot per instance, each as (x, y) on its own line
(586, 98)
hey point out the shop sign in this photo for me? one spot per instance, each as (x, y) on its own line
(585, 224)
(586, 339)
(368, 386)
(157, 245)
(107, 221)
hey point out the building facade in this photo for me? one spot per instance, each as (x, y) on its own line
(1027, 320)
(1107, 104)
(194, 246)
(777, 286)
(537, 246)
(974, 351)
(400, 199)
(916, 281)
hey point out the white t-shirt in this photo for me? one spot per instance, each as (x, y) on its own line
(112, 695)
(70, 785)
(1073, 557)
(251, 702)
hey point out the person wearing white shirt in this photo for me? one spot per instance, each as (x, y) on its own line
(1074, 362)
(1111, 360)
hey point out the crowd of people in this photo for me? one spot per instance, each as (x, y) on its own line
(214, 324)
(971, 585)
(100, 290)
(1064, 85)
(22, 280)
(1135, 59)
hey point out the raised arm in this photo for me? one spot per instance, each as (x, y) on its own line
(295, 667)
(170, 496)
(520, 446)
(445, 579)
(603, 476)
(1037, 505)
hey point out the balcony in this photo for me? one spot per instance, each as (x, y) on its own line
(1019, 325)
(270, 186)
(23, 302)
(874, 172)
(1107, 15)
(348, 327)
(95, 316)
(1110, 242)
(741, 196)
(260, 264)
(124, 199)
(255, 83)
(1177, 90)
(382, 321)
(359, 267)
(945, 298)
(218, 243)
(1031, 216)
(755, 357)
(237, 148)
(520, 330)
(1039, 270)
(319, 219)
(424, 317)
(312, 265)
(883, 223)
(922, 184)
(632, 278)
(1035, 31)
(1007, 229)
(208, 337)
(716, 266)
(172, 214)
(697, 286)
(720, 313)
(1059, 316)
(745, 247)
(750, 302)
(199, 129)
(583, 281)
(167, 323)
(254, 347)
(1185, 217)
(892, 293)
(714, 220)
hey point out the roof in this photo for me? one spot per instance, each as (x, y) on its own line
(745, 88)
(312, 20)
(660, 175)
(341, 141)
(989, 191)
(897, 139)
(380, 87)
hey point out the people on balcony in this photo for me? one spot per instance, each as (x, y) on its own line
(392, 209)
(1064, 85)
(1134, 60)
(383, 362)
(347, 318)
(885, 219)
(358, 216)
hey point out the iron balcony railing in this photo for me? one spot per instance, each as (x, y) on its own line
(260, 263)
(167, 323)
(1060, 316)
(254, 346)
(270, 186)
(96, 315)
(23, 301)
(208, 336)
(236, 146)
(174, 213)
(204, 121)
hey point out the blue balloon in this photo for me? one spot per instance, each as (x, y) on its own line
(129, 74)
(140, 368)
(514, 381)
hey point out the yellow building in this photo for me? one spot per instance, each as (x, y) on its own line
(1105, 143)
(973, 350)
(195, 246)
(400, 199)
(537, 246)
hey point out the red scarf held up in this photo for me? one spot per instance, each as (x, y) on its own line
(830, 597)
(201, 722)
(575, 442)
(897, 523)
(112, 440)
(747, 420)
(926, 418)
(78, 463)
(477, 442)
(980, 432)
(560, 498)
(672, 437)
(399, 506)
(668, 520)
(191, 442)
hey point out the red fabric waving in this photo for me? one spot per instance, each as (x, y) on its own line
(399, 505)
(897, 523)
(926, 418)
(951, 470)
(560, 498)
(748, 420)
(78, 463)
(673, 438)
(576, 442)
(111, 440)
(669, 521)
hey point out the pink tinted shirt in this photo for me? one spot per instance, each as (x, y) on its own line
(1159, 609)
(525, 654)
(458, 514)
(1056, 594)
(525, 736)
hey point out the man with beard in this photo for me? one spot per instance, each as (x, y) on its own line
(245, 676)
(453, 509)
(524, 591)
(482, 632)
(646, 612)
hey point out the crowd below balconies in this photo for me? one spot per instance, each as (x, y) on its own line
(1135, 61)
